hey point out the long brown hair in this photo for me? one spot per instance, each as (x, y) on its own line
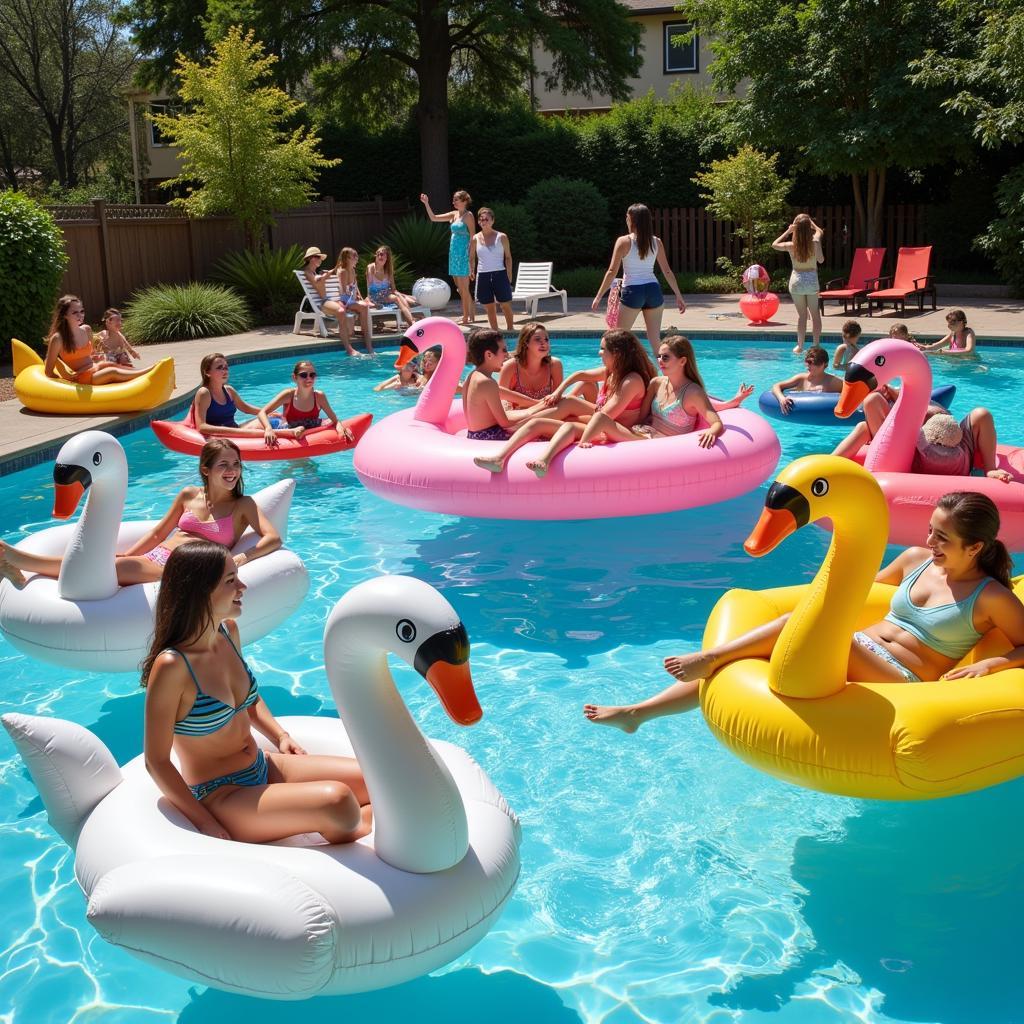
(389, 263)
(59, 324)
(183, 609)
(207, 362)
(628, 357)
(803, 238)
(209, 455)
(642, 223)
(346, 253)
(523, 344)
(976, 520)
(682, 348)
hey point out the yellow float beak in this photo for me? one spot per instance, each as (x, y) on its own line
(774, 526)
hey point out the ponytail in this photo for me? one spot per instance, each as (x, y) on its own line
(976, 520)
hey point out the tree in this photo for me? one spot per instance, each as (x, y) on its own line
(383, 51)
(63, 61)
(831, 78)
(233, 141)
(748, 189)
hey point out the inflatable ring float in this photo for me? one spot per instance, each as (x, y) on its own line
(819, 408)
(84, 620)
(300, 918)
(797, 717)
(40, 393)
(182, 436)
(421, 457)
(912, 496)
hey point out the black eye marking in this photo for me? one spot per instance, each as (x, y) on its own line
(419, 333)
(820, 487)
(406, 631)
(97, 458)
(880, 361)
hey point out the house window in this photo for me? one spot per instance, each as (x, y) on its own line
(157, 137)
(680, 56)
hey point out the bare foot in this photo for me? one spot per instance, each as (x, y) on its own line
(798, 350)
(689, 667)
(12, 573)
(299, 431)
(491, 465)
(623, 718)
(539, 467)
(585, 444)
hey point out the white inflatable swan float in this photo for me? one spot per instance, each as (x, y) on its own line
(83, 619)
(300, 918)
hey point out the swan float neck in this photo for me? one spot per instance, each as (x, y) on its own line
(434, 403)
(814, 488)
(419, 818)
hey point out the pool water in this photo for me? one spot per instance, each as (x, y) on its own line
(663, 880)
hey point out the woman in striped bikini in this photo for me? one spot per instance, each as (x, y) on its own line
(203, 702)
(217, 510)
(533, 372)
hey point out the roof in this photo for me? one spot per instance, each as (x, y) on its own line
(649, 7)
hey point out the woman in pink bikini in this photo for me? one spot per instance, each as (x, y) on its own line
(532, 372)
(217, 511)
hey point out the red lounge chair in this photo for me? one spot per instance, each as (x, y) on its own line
(911, 279)
(864, 275)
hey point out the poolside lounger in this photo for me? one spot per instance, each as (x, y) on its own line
(309, 308)
(533, 283)
(912, 279)
(863, 276)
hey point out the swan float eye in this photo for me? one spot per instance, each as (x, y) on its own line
(97, 458)
(820, 487)
(406, 631)
(419, 333)
(880, 361)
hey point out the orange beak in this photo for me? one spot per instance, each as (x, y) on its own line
(852, 395)
(774, 526)
(453, 685)
(406, 353)
(66, 498)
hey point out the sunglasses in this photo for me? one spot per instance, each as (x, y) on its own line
(307, 374)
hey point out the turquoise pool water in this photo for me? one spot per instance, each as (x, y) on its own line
(663, 881)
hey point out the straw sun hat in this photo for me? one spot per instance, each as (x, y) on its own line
(311, 252)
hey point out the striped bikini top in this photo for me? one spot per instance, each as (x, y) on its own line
(209, 714)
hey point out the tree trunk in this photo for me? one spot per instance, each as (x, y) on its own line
(432, 72)
(870, 209)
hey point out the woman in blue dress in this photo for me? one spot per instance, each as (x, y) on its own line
(463, 227)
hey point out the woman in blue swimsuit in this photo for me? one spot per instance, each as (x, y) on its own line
(948, 596)
(203, 702)
(463, 227)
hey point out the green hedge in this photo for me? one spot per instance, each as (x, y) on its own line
(183, 312)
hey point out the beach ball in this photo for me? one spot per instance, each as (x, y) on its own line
(759, 308)
(756, 279)
(432, 292)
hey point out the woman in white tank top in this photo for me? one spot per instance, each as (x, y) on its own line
(637, 253)
(490, 262)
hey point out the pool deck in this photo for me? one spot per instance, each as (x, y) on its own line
(28, 438)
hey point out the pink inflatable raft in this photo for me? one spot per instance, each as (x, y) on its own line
(910, 496)
(421, 458)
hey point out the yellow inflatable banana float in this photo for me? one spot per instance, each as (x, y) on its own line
(40, 393)
(798, 717)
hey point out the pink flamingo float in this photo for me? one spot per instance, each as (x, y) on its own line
(911, 496)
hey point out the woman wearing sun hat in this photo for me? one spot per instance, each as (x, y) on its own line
(311, 260)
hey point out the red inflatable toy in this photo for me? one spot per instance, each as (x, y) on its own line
(759, 305)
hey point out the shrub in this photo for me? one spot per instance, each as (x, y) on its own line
(266, 279)
(514, 220)
(1003, 242)
(581, 282)
(32, 262)
(582, 215)
(421, 243)
(182, 312)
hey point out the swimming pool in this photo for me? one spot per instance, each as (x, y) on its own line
(663, 880)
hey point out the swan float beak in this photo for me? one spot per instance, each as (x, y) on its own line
(70, 483)
(443, 660)
(785, 511)
(858, 384)
(407, 352)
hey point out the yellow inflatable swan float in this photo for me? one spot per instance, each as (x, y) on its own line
(798, 717)
(40, 393)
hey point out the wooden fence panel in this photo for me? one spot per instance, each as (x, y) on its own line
(84, 275)
(144, 253)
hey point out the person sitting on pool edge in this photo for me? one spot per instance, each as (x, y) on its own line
(949, 595)
(816, 379)
(486, 418)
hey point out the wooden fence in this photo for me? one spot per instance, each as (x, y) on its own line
(694, 239)
(115, 250)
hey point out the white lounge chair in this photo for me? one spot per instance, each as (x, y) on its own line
(309, 308)
(533, 283)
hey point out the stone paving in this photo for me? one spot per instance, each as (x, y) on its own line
(27, 438)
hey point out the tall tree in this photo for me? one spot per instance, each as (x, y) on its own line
(830, 79)
(381, 50)
(237, 156)
(66, 61)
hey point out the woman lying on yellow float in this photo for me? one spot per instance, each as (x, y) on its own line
(824, 711)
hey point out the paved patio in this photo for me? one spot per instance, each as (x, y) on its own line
(27, 438)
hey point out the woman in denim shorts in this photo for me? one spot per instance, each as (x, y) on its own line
(637, 253)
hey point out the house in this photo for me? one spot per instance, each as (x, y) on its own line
(153, 159)
(667, 60)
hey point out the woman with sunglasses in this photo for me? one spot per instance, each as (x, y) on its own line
(303, 405)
